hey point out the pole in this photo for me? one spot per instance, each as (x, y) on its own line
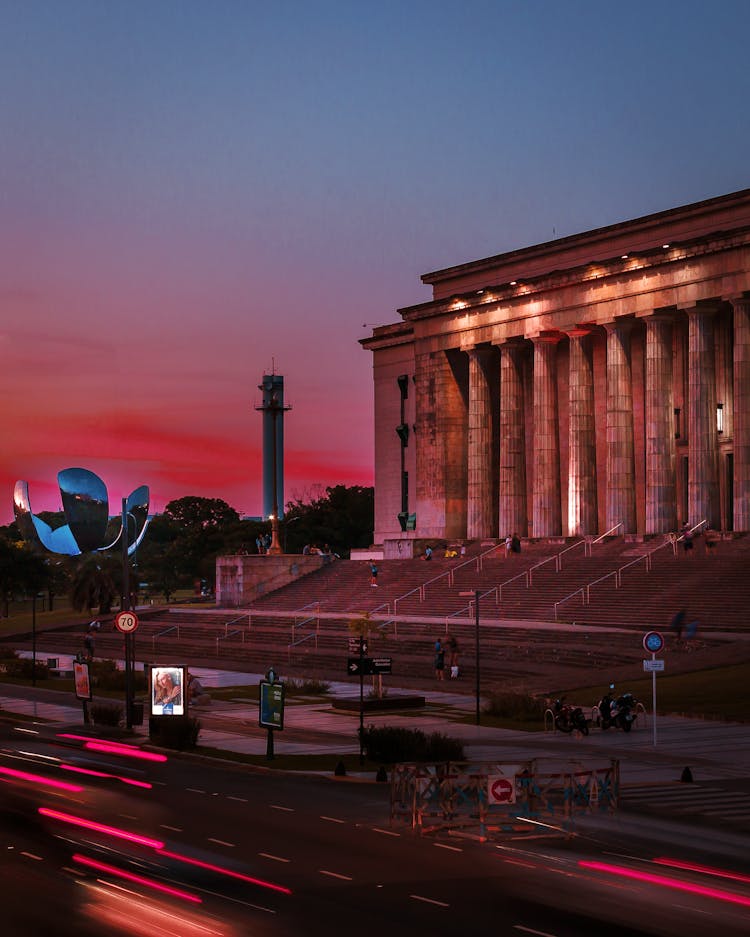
(269, 745)
(476, 649)
(33, 639)
(275, 547)
(653, 697)
(361, 700)
(125, 606)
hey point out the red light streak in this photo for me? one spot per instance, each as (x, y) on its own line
(705, 869)
(104, 774)
(102, 828)
(113, 748)
(218, 868)
(40, 779)
(139, 879)
(666, 882)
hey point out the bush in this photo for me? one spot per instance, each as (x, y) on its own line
(517, 706)
(106, 714)
(179, 733)
(23, 668)
(393, 744)
(307, 686)
(106, 676)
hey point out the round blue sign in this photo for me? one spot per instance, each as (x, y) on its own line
(653, 642)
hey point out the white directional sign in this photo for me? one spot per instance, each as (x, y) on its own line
(126, 622)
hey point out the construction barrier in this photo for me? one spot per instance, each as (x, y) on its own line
(494, 799)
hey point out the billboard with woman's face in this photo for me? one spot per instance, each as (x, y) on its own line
(168, 691)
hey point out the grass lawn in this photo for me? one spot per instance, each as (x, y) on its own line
(713, 694)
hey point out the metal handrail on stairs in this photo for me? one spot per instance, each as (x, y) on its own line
(585, 591)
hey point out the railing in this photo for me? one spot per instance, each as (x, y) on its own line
(449, 573)
(230, 634)
(585, 591)
(165, 632)
(290, 647)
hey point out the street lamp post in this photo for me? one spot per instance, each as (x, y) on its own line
(33, 638)
(475, 593)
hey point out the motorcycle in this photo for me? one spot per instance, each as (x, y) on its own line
(569, 718)
(617, 711)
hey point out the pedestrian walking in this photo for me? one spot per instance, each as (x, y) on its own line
(373, 575)
(687, 540)
(439, 660)
(515, 543)
(453, 656)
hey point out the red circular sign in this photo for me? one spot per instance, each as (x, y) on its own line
(126, 622)
(501, 791)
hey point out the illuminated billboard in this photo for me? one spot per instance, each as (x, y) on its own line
(168, 685)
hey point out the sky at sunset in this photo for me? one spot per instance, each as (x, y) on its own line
(195, 193)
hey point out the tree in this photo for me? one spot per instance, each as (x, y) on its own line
(22, 571)
(94, 583)
(343, 519)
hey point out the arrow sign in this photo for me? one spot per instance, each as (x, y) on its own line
(501, 790)
(356, 666)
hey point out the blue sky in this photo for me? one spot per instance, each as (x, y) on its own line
(194, 191)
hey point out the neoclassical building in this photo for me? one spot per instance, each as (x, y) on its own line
(594, 382)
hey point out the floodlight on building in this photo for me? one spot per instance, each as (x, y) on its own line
(719, 417)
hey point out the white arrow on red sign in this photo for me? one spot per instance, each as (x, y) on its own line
(501, 790)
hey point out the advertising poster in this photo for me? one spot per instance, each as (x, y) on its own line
(82, 680)
(168, 691)
(271, 698)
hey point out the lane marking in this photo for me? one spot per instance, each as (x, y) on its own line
(529, 930)
(221, 842)
(30, 855)
(440, 904)
(195, 790)
(268, 855)
(279, 807)
(377, 829)
(446, 846)
(346, 878)
(333, 819)
(174, 829)
(242, 800)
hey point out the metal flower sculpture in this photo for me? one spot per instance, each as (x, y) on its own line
(86, 509)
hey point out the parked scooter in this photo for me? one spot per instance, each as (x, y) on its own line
(569, 718)
(617, 711)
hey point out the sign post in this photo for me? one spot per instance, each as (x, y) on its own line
(653, 641)
(126, 622)
(271, 703)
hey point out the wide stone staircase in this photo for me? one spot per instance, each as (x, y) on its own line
(546, 616)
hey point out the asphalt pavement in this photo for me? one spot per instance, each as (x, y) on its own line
(679, 765)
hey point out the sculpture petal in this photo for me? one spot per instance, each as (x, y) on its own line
(86, 506)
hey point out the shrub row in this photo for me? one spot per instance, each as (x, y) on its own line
(393, 744)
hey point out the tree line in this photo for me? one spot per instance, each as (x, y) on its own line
(180, 548)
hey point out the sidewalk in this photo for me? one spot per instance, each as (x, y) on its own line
(714, 751)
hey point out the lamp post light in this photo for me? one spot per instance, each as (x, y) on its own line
(475, 593)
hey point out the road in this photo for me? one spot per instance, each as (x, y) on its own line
(255, 852)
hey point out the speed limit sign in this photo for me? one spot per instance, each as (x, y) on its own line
(126, 622)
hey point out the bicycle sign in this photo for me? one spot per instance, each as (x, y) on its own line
(126, 622)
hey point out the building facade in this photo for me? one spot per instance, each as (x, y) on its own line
(599, 382)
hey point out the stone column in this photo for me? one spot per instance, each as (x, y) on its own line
(661, 494)
(741, 408)
(620, 451)
(479, 521)
(441, 444)
(512, 515)
(582, 506)
(546, 508)
(703, 449)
